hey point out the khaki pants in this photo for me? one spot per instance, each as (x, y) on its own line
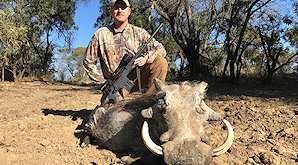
(157, 69)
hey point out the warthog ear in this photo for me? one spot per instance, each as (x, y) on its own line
(147, 113)
(201, 87)
(159, 85)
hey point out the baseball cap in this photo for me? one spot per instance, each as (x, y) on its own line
(125, 1)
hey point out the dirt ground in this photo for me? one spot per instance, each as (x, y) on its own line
(38, 122)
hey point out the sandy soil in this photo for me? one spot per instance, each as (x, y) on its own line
(39, 120)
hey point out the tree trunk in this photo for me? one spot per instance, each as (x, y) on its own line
(194, 64)
(194, 70)
(232, 71)
(225, 68)
(2, 72)
(235, 49)
(268, 79)
(239, 67)
(181, 71)
(21, 74)
(15, 75)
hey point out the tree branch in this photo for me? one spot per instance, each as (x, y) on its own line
(264, 4)
(160, 12)
(287, 62)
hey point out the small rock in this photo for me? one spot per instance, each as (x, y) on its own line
(227, 109)
(239, 116)
(271, 141)
(10, 149)
(2, 138)
(57, 162)
(273, 149)
(241, 139)
(264, 158)
(45, 143)
(257, 159)
(250, 161)
(283, 134)
(250, 152)
(252, 109)
(270, 136)
(290, 130)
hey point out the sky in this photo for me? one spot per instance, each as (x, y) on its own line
(85, 17)
(87, 13)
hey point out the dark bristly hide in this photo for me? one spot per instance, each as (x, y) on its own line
(175, 115)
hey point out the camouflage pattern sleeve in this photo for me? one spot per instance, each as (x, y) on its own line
(91, 59)
(154, 49)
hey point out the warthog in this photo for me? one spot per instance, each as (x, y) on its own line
(175, 115)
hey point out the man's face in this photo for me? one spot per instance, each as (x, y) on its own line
(120, 12)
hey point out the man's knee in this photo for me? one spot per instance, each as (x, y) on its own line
(160, 63)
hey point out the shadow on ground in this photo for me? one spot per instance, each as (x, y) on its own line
(82, 114)
(285, 89)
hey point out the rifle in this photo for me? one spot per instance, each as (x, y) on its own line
(119, 79)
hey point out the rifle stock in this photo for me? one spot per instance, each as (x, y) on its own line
(119, 78)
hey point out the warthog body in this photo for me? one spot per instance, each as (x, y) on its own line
(175, 115)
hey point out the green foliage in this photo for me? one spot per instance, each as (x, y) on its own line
(273, 34)
(104, 18)
(26, 42)
(11, 33)
(215, 36)
(210, 35)
(139, 13)
(69, 65)
(76, 58)
(292, 36)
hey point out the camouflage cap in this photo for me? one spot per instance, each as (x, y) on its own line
(125, 1)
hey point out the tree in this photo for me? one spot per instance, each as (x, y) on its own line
(291, 33)
(274, 33)
(191, 23)
(41, 20)
(237, 20)
(69, 65)
(207, 31)
(11, 38)
(75, 61)
(273, 50)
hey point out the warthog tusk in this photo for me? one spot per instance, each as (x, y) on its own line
(158, 150)
(154, 148)
(227, 144)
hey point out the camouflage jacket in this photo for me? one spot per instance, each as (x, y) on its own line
(109, 45)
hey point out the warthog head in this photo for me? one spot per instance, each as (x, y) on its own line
(183, 111)
(175, 115)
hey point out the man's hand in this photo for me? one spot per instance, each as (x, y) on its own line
(141, 61)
